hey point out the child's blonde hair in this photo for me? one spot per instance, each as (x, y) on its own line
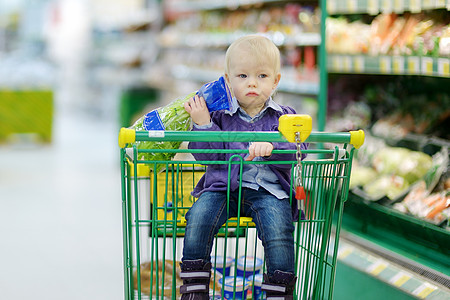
(261, 47)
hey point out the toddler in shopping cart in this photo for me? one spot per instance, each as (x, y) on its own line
(252, 72)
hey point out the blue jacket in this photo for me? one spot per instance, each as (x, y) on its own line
(216, 176)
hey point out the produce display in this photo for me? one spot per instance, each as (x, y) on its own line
(368, 89)
(400, 111)
(174, 117)
(390, 173)
(410, 105)
(391, 34)
(391, 107)
(410, 181)
(434, 207)
(429, 197)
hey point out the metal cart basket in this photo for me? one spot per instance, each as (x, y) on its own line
(156, 196)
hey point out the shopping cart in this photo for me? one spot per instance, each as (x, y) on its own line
(156, 196)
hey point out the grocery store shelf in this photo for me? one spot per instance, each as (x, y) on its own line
(416, 239)
(392, 269)
(389, 65)
(287, 84)
(374, 7)
(224, 39)
(202, 5)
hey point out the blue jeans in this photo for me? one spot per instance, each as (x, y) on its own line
(273, 219)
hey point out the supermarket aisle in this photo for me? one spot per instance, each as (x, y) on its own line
(61, 215)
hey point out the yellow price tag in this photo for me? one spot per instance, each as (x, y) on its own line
(344, 252)
(385, 64)
(413, 65)
(427, 65)
(424, 290)
(398, 64)
(399, 279)
(377, 267)
(444, 67)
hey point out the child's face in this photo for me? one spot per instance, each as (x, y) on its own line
(252, 80)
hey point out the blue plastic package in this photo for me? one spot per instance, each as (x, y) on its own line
(216, 94)
(152, 121)
(217, 97)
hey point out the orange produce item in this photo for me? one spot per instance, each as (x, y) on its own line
(442, 204)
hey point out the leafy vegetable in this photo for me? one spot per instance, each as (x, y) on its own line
(361, 176)
(390, 185)
(173, 117)
(411, 165)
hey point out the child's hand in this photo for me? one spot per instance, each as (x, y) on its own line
(259, 149)
(198, 110)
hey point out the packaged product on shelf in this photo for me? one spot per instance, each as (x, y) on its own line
(434, 207)
(411, 165)
(362, 175)
(386, 29)
(347, 38)
(390, 34)
(429, 198)
(174, 117)
(390, 172)
(387, 185)
(406, 35)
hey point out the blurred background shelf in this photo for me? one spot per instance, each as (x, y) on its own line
(390, 65)
(385, 6)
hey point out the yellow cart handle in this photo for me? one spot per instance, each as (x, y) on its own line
(126, 136)
(357, 138)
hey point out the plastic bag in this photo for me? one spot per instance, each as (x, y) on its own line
(216, 94)
(217, 97)
(173, 117)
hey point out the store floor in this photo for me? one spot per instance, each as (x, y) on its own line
(61, 235)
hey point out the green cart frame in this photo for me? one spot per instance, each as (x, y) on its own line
(154, 204)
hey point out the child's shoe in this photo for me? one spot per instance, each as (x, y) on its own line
(279, 286)
(196, 276)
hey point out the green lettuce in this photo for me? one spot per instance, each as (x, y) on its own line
(174, 118)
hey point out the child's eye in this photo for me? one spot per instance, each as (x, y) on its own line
(263, 75)
(242, 76)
